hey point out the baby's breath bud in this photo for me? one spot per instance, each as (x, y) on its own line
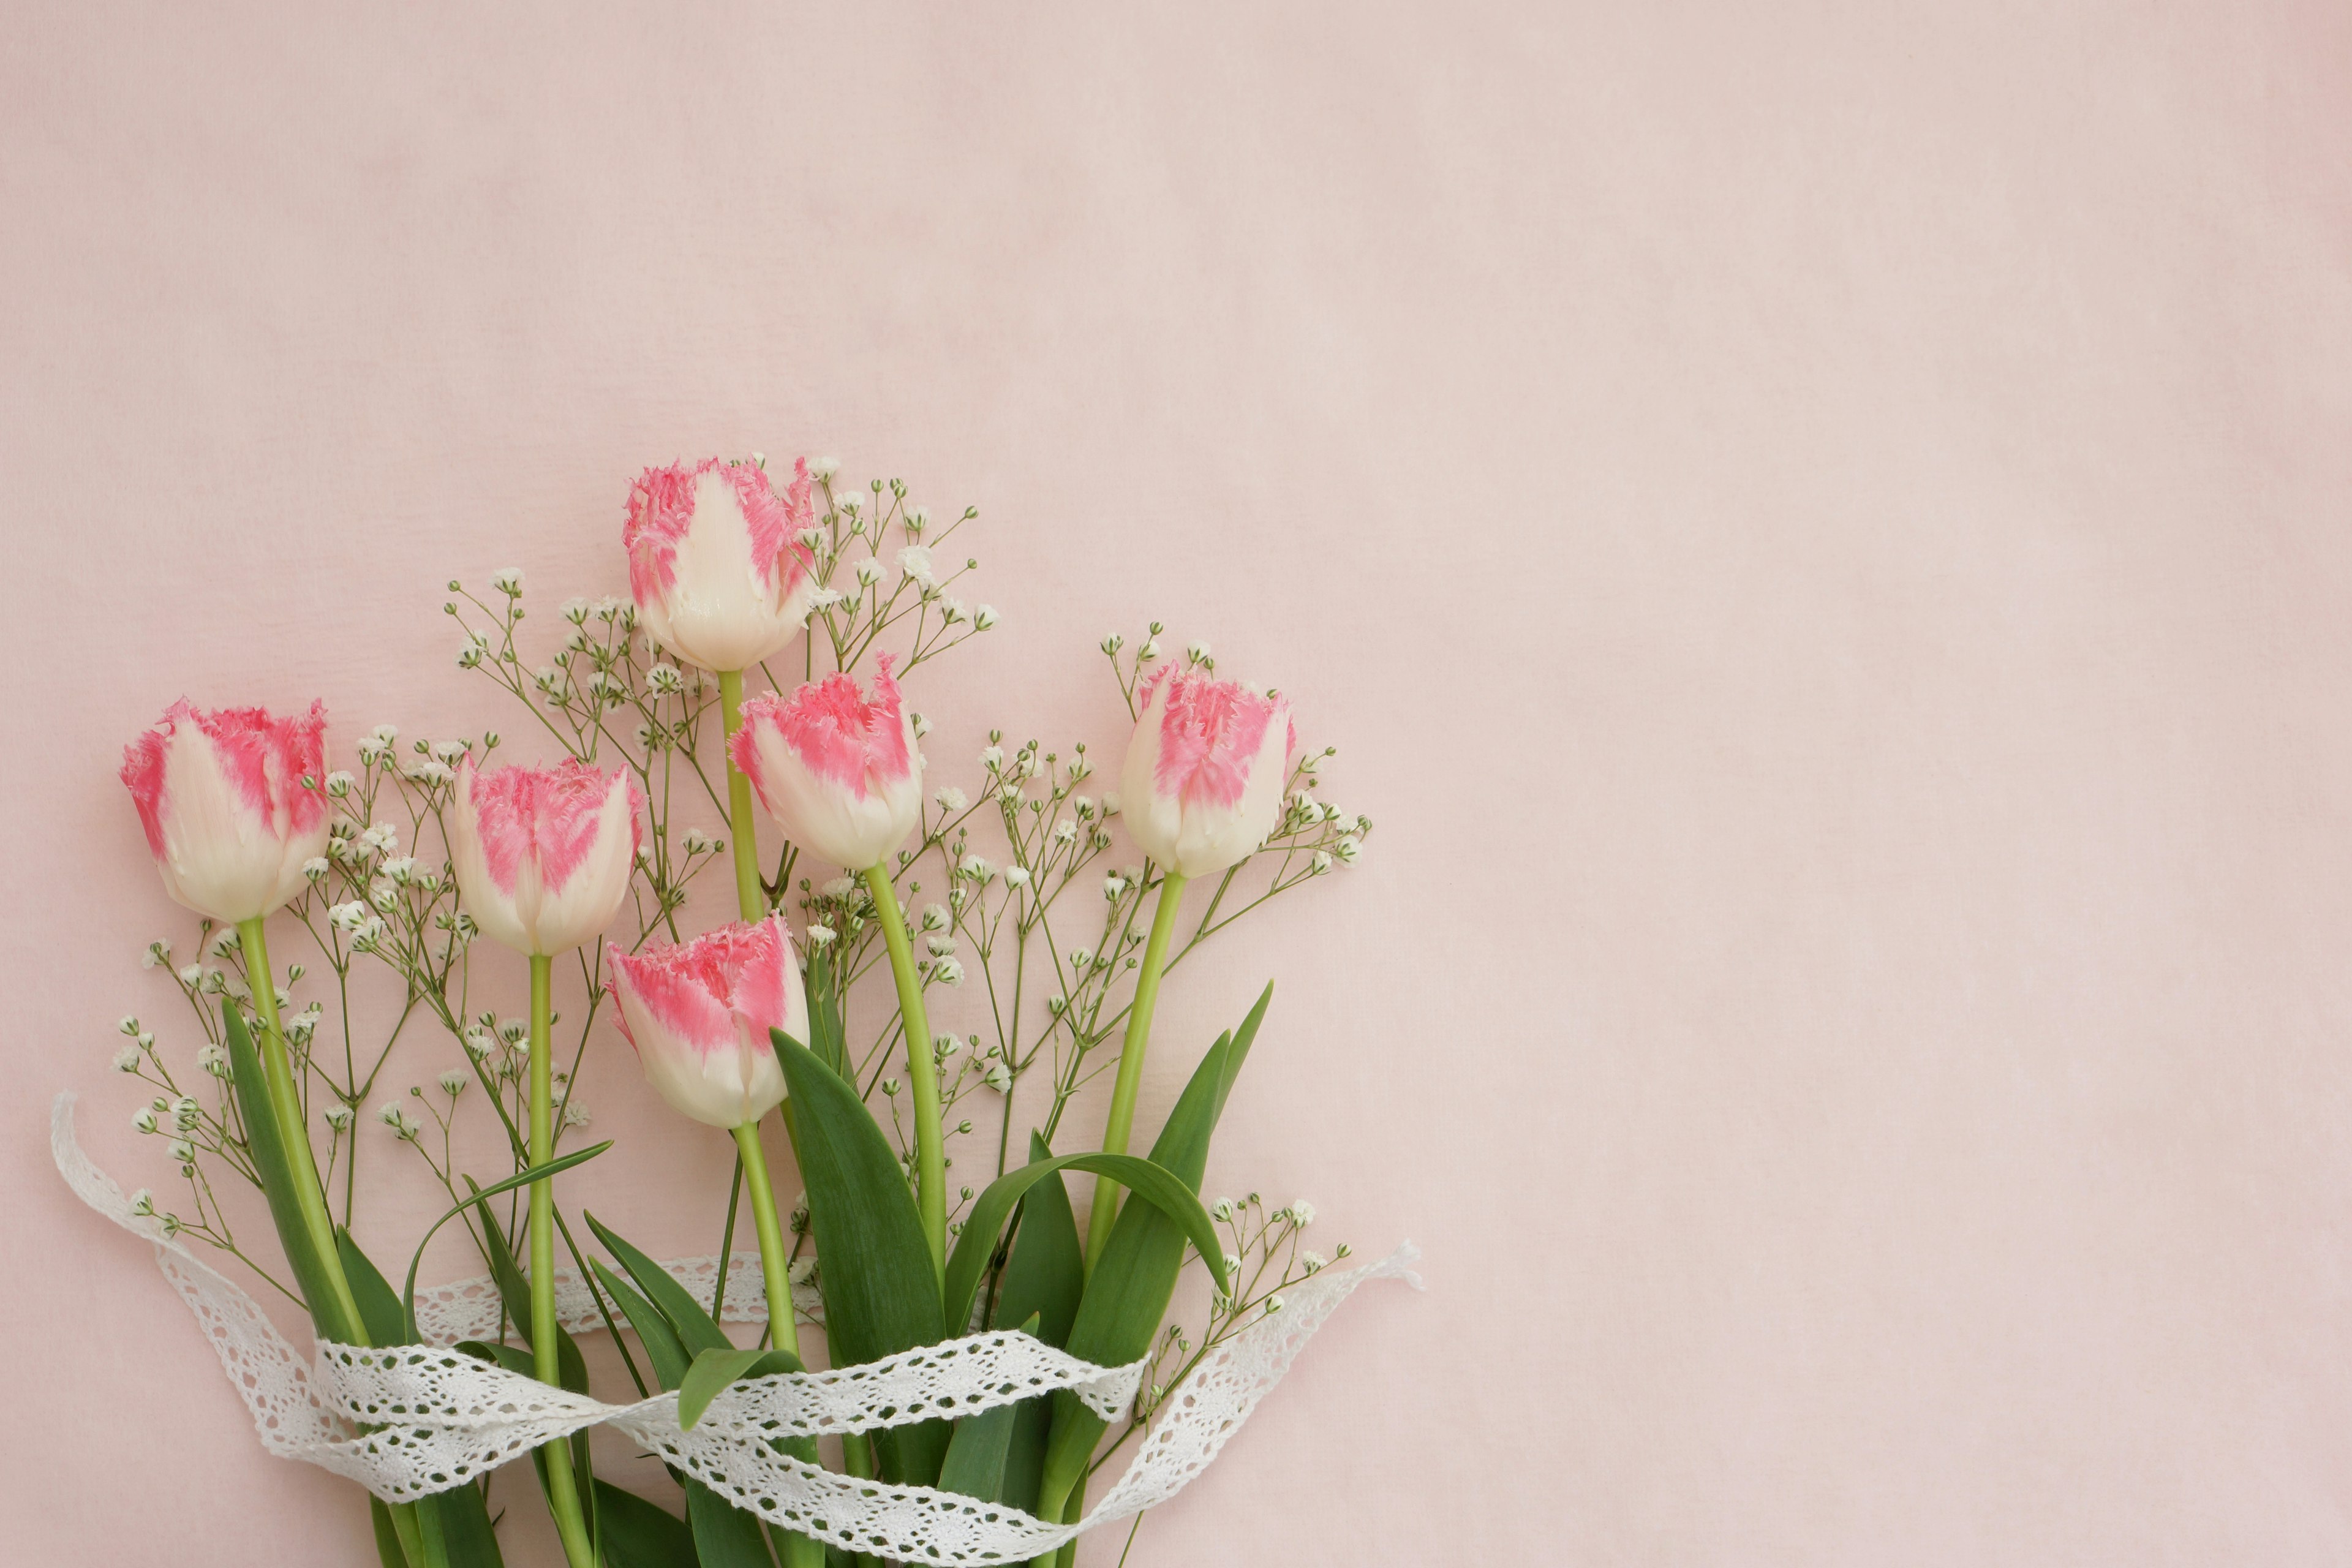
(1274, 1302)
(1057, 1003)
(157, 953)
(182, 1151)
(984, 618)
(890, 1086)
(142, 1203)
(1347, 849)
(1223, 1209)
(143, 1120)
(128, 1023)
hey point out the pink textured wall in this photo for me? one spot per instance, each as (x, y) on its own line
(1820, 530)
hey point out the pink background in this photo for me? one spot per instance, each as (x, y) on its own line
(1821, 534)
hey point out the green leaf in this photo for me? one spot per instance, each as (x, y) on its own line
(714, 1370)
(724, 1536)
(697, 1331)
(1043, 1279)
(653, 1331)
(379, 1303)
(464, 1520)
(572, 1371)
(975, 1462)
(638, 1533)
(881, 1296)
(1143, 1179)
(387, 1540)
(1128, 1291)
(267, 1141)
(520, 1179)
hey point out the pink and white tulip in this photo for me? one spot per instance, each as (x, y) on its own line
(543, 856)
(838, 770)
(227, 813)
(1206, 771)
(715, 566)
(698, 1016)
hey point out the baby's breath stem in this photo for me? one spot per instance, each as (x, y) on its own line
(562, 1488)
(1130, 1059)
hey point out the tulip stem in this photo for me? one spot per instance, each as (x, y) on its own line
(742, 831)
(309, 1196)
(562, 1490)
(1130, 1059)
(284, 1100)
(922, 1074)
(774, 1258)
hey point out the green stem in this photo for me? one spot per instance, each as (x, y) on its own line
(775, 1257)
(562, 1490)
(775, 1267)
(742, 827)
(276, 1068)
(1131, 1060)
(922, 1073)
(309, 1196)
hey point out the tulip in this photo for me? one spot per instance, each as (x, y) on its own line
(543, 856)
(715, 566)
(698, 1014)
(1202, 788)
(1206, 771)
(841, 775)
(838, 772)
(229, 814)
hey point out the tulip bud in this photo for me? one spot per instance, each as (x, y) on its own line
(718, 572)
(1205, 775)
(698, 1014)
(543, 856)
(839, 773)
(221, 796)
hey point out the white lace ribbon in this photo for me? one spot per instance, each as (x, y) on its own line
(442, 1418)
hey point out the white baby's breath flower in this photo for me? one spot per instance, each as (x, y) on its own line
(1347, 849)
(1114, 886)
(935, 917)
(992, 759)
(191, 975)
(822, 468)
(142, 1203)
(316, 868)
(144, 1119)
(453, 1082)
(826, 598)
(575, 1115)
(869, 571)
(976, 868)
(915, 562)
(940, 946)
(1313, 1261)
(1222, 1210)
(1017, 876)
(1274, 1303)
(128, 1023)
(1302, 1213)
(948, 972)
(1318, 863)
(1196, 653)
(985, 617)
(952, 799)
(1110, 804)
(213, 1061)
(839, 887)
(820, 934)
(127, 1059)
(1057, 1003)
(508, 582)
(918, 519)
(337, 1117)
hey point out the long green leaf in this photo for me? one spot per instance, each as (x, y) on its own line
(724, 1535)
(975, 1462)
(1128, 1291)
(266, 1143)
(387, 1540)
(520, 1179)
(881, 1296)
(1043, 1279)
(1143, 1179)
(714, 1370)
(459, 1519)
(695, 1329)
(639, 1533)
(653, 1331)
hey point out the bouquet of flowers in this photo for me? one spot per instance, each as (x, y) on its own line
(947, 1352)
